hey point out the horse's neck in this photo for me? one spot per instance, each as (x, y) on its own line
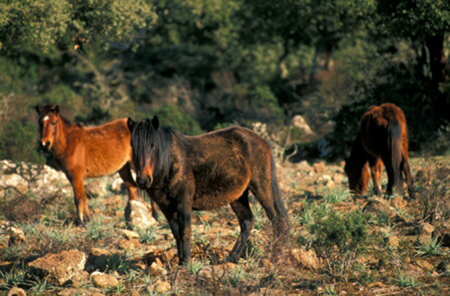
(358, 154)
(61, 142)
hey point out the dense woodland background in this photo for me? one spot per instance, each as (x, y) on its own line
(206, 64)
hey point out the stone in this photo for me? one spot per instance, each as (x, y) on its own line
(60, 267)
(306, 258)
(214, 272)
(338, 178)
(80, 279)
(424, 264)
(128, 234)
(299, 122)
(139, 215)
(379, 205)
(102, 280)
(320, 167)
(10, 229)
(393, 241)
(129, 244)
(162, 287)
(156, 270)
(16, 291)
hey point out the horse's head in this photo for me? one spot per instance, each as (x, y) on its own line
(48, 122)
(358, 177)
(144, 146)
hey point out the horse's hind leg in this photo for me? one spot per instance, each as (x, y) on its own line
(125, 174)
(376, 168)
(408, 177)
(241, 208)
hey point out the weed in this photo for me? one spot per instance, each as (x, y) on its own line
(340, 194)
(431, 248)
(236, 276)
(147, 235)
(406, 280)
(194, 267)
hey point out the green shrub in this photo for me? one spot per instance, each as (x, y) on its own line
(18, 142)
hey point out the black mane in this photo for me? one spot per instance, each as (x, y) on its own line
(154, 144)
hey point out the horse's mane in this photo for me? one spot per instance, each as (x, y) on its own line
(46, 109)
(154, 144)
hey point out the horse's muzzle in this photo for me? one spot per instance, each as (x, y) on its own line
(45, 145)
(144, 182)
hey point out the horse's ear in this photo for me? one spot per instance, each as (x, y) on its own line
(155, 122)
(130, 124)
(56, 109)
(38, 109)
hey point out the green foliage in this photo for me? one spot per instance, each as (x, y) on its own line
(18, 142)
(40, 25)
(172, 115)
(431, 248)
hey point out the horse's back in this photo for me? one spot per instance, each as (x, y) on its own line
(107, 147)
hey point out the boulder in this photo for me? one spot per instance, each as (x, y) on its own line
(139, 215)
(60, 267)
(299, 122)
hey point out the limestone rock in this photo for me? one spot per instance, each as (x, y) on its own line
(307, 258)
(60, 267)
(139, 215)
(102, 280)
(16, 291)
(156, 270)
(10, 229)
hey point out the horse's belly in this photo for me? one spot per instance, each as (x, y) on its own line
(217, 197)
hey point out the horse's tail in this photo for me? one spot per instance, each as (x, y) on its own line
(281, 222)
(395, 146)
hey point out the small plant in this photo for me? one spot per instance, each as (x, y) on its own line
(431, 248)
(13, 278)
(329, 290)
(406, 280)
(147, 235)
(194, 267)
(236, 276)
(337, 195)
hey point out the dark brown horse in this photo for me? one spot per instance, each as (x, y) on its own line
(86, 152)
(185, 173)
(382, 139)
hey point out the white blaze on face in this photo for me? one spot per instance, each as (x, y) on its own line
(46, 118)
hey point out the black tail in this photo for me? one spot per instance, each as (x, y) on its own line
(282, 224)
(395, 146)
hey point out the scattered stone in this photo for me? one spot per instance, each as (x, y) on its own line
(330, 184)
(162, 287)
(306, 258)
(338, 178)
(156, 270)
(320, 167)
(16, 291)
(299, 122)
(424, 264)
(214, 272)
(129, 244)
(393, 241)
(128, 234)
(379, 205)
(80, 279)
(10, 229)
(60, 267)
(117, 185)
(102, 280)
(139, 215)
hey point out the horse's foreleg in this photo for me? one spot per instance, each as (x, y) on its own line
(184, 217)
(80, 200)
(376, 169)
(241, 208)
(408, 177)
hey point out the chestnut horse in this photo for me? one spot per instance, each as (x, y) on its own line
(85, 152)
(382, 139)
(185, 173)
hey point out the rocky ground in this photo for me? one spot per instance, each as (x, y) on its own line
(337, 245)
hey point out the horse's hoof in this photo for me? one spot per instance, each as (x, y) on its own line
(232, 259)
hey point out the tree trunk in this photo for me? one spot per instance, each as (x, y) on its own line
(435, 45)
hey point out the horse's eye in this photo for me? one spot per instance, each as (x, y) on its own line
(54, 123)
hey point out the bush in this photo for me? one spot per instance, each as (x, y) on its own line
(18, 142)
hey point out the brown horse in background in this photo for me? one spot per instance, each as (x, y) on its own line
(382, 139)
(86, 152)
(185, 173)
